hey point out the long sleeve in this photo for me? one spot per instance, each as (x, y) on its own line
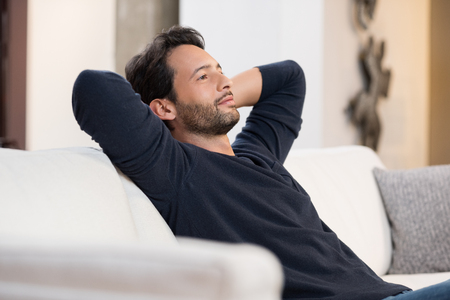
(275, 120)
(136, 140)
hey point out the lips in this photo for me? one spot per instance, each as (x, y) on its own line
(227, 100)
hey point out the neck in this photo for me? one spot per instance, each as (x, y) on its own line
(219, 144)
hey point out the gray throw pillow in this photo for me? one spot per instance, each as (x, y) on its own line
(417, 203)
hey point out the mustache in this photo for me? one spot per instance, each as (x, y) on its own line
(217, 101)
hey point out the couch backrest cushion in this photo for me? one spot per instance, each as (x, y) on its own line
(149, 223)
(342, 187)
(72, 193)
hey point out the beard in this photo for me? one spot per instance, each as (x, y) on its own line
(207, 119)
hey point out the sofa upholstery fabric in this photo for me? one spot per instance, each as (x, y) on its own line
(72, 193)
(73, 227)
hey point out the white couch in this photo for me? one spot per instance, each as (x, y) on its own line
(73, 227)
(344, 191)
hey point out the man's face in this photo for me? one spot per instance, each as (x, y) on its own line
(205, 102)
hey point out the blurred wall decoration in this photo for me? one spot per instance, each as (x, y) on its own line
(362, 109)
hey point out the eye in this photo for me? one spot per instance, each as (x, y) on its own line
(203, 77)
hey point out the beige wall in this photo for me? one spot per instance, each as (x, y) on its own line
(68, 36)
(138, 21)
(342, 79)
(404, 26)
(64, 37)
(256, 32)
(321, 36)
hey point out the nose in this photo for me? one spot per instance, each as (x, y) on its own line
(224, 83)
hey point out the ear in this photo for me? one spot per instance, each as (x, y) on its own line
(163, 108)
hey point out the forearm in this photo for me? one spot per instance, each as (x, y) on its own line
(276, 117)
(247, 87)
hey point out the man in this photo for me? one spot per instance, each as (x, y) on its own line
(173, 145)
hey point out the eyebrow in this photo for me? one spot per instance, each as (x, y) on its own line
(204, 67)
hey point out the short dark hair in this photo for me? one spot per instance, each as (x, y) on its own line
(148, 71)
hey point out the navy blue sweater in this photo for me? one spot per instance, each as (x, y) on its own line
(248, 198)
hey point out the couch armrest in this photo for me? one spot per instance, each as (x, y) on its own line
(193, 270)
